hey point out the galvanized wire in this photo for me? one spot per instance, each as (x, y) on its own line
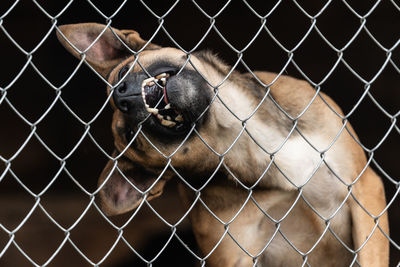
(198, 200)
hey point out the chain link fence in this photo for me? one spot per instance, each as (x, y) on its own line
(55, 116)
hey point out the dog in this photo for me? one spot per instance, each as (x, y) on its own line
(272, 176)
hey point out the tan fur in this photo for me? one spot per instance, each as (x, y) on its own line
(252, 218)
(368, 190)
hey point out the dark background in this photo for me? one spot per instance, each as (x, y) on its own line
(85, 93)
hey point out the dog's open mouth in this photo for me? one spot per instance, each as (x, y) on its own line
(156, 101)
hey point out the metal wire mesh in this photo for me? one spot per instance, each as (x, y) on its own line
(61, 161)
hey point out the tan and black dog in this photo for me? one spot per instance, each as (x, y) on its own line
(307, 184)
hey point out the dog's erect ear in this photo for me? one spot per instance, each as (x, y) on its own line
(107, 50)
(118, 195)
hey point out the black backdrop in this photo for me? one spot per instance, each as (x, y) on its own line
(85, 92)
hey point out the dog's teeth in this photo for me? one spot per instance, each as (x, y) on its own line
(159, 76)
(146, 81)
(179, 118)
(167, 106)
(150, 84)
(168, 118)
(168, 123)
(152, 110)
(160, 117)
(164, 81)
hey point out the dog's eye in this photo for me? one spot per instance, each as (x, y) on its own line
(123, 71)
(129, 133)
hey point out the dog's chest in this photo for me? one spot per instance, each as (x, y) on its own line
(266, 222)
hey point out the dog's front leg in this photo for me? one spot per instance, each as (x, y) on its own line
(373, 245)
(223, 241)
(216, 243)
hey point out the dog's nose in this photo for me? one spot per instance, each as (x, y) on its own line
(121, 89)
(126, 95)
(125, 89)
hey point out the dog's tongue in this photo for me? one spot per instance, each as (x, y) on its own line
(165, 95)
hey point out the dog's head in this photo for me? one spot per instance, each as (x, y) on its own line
(158, 97)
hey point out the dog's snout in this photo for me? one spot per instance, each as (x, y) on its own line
(124, 106)
(121, 89)
(126, 89)
(127, 95)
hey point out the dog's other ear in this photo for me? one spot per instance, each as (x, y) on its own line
(107, 51)
(118, 195)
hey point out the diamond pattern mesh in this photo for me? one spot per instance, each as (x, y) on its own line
(55, 117)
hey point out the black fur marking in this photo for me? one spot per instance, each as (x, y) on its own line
(187, 93)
